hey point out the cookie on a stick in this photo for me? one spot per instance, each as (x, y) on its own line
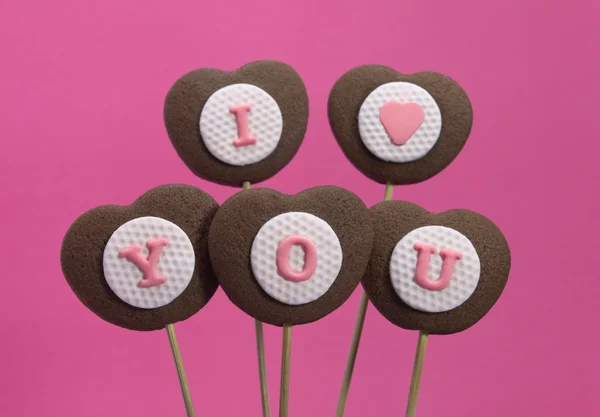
(145, 266)
(290, 259)
(435, 273)
(396, 129)
(238, 128)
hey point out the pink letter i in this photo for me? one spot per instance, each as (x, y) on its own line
(133, 254)
(241, 117)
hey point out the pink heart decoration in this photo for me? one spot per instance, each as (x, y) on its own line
(401, 120)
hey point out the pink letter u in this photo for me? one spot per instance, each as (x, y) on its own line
(449, 258)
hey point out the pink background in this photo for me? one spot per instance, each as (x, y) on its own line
(81, 94)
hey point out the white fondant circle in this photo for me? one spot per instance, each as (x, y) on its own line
(177, 260)
(263, 257)
(219, 129)
(373, 133)
(464, 279)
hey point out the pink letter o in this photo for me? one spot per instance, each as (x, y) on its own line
(283, 258)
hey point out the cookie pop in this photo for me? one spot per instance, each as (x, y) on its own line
(396, 129)
(145, 266)
(435, 273)
(288, 260)
(238, 128)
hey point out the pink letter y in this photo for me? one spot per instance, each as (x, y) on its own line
(134, 255)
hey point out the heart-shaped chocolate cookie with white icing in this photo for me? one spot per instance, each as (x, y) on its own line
(146, 265)
(245, 125)
(397, 128)
(438, 273)
(290, 259)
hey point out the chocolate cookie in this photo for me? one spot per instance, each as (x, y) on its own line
(245, 125)
(439, 273)
(146, 265)
(290, 259)
(399, 128)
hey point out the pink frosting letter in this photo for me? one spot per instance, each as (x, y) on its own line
(283, 258)
(449, 258)
(241, 117)
(134, 255)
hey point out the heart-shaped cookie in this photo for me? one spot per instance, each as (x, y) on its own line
(438, 273)
(290, 259)
(389, 139)
(146, 265)
(245, 125)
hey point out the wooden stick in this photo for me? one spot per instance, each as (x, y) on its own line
(260, 349)
(389, 192)
(262, 368)
(358, 326)
(413, 394)
(360, 320)
(285, 370)
(185, 389)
